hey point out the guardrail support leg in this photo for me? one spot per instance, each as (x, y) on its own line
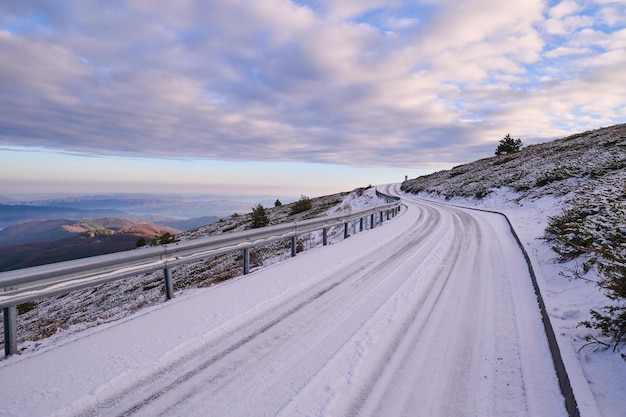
(10, 332)
(325, 236)
(293, 246)
(246, 261)
(361, 224)
(345, 231)
(372, 225)
(169, 287)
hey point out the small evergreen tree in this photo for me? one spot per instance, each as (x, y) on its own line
(508, 145)
(277, 203)
(259, 217)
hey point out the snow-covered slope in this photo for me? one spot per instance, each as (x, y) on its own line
(581, 178)
(558, 168)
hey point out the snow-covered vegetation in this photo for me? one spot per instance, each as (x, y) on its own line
(42, 322)
(559, 168)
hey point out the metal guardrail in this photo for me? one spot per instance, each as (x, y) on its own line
(388, 198)
(29, 284)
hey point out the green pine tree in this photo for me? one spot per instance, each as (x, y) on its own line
(259, 217)
(508, 145)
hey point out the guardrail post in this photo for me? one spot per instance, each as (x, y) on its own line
(381, 216)
(169, 287)
(361, 224)
(345, 231)
(325, 236)
(372, 225)
(10, 332)
(293, 246)
(246, 261)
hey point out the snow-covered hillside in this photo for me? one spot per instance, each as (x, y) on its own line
(575, 187)
(557, 168)
(46, 321)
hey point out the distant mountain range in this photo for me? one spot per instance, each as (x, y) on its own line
(35, 231)
(12, 214)
(46, 241)
(16, 214)
(48, 230)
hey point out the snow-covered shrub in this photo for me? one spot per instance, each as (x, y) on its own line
(302, 205)
(595, 226)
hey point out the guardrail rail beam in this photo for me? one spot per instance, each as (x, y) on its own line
(34, 283)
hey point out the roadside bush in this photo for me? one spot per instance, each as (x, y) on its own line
(301, 205)
(611, 319)
(259, 217)
(481, 193)
(567, 234)
(163, 239)
(26, 307)
(598, 232)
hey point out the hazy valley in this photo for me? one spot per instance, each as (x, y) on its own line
(36, 230)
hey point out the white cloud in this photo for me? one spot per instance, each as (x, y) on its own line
(324, 82)
(562, 51)
(563, 9)
(338, 11)
(568, 24)
(612, 16)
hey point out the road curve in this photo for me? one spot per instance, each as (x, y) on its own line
(433, 316)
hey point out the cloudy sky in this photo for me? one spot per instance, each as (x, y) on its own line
(292, 97)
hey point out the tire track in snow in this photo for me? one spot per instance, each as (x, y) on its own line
(390, 373)
(157, 387)
(454, 361)
(420, 326)
(313, 347)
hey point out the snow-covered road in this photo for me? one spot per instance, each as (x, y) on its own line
(431, 314)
